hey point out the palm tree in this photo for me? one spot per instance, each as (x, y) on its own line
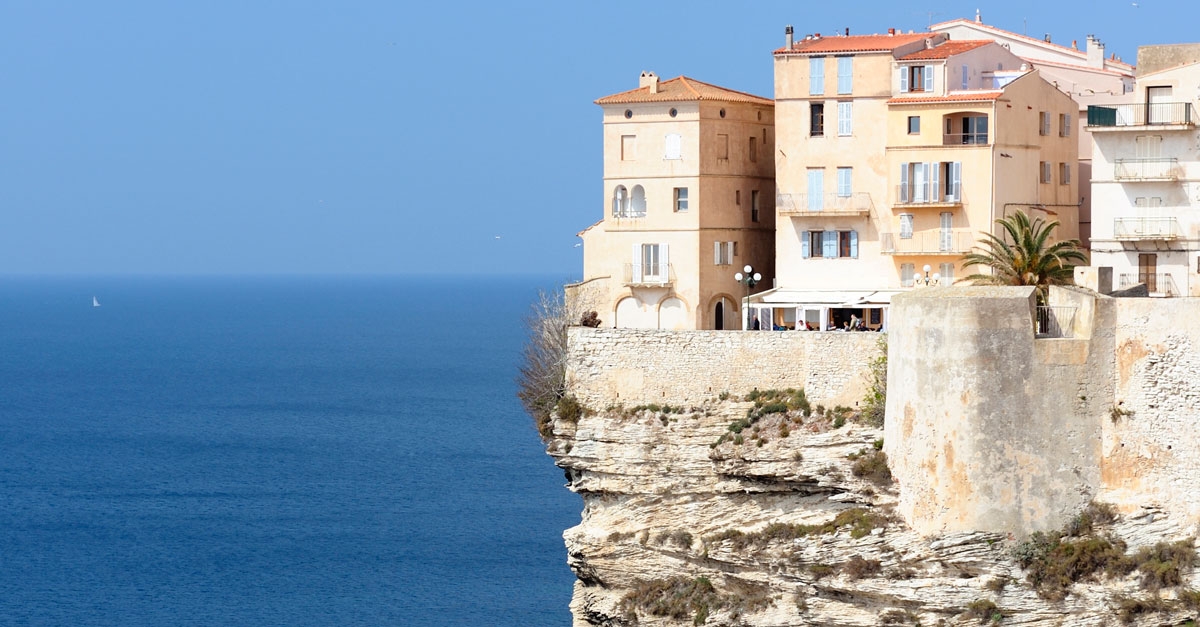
(1029, 259)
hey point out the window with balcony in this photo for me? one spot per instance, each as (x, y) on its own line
(845, 119)
(844, 187)
(829, 244)
(975, 129)
(816, 119)
(637, 202)
(650, 264)
(906, 226)
(816, 76)
(681, 199)
(620, 202)
(934, 182)
(946, 233)
(816, 189)
(845, 68)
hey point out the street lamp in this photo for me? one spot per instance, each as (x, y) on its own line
(929, 280)
(749, 278)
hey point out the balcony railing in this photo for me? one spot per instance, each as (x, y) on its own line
(930, 242)
(1055, 322)
(926, 195)
(1143, 114)
(654, 274)
(798, 205)
(1146, 228)
(969, 139)
(1146, 169)
(628, 214)
(1158, 283)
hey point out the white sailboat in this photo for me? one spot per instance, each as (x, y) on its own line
(95, 303)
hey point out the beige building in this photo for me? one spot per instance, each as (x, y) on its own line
(688, 190)
(1146, 180)
(1087, 75)
(895, 153)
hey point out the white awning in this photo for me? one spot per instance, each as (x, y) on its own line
(820, 298)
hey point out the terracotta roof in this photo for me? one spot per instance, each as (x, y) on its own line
(974, 96)
(854, 43)
(946, 49)
(682, 89)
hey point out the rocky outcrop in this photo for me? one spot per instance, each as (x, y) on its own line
(791, 521)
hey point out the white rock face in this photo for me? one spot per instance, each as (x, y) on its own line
(661, 502)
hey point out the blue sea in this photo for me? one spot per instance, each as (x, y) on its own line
(273, 451)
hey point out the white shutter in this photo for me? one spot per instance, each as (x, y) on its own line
(956, 180)
(928, 78)
(920, 183)
(854, 244)
(716, 253)
(906, 226)
(934, 172)
(903, 80)
(965, 76)
(845, 119)
(664, 264)
(636, 267)
(904, 182)
(674, 149)
(805, 236)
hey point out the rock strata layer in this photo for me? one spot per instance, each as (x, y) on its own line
(791, 521)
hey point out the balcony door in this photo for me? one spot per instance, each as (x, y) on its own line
(1158, 105)
(1147, 270)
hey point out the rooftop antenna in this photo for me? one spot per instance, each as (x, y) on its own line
(929, 15)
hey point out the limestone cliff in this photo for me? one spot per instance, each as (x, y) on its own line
(791, 521)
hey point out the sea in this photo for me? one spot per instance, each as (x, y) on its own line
(274, 451)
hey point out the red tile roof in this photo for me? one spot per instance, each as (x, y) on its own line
(973, 96)
(1082, 54)
(946, 49)
(682, 89)
(854, 43)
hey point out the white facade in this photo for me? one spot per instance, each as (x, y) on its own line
(1146, 185)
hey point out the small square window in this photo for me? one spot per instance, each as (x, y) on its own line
(914, 124)
(1044, 176)
(754, 205)
(681, 199)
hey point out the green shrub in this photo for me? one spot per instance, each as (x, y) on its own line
(1162, 565)
(857, 567)
(570, 409)
(858, 520)
(984, 610)
(872, 465)
(1129, 608)
(875, 402)
(821, 571)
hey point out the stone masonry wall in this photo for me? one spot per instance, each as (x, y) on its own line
(636, 366)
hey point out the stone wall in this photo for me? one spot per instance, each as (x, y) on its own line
(636, 366)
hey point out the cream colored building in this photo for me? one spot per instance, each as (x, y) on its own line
(688, 201)
(896, 152)
(1087, 75)
(1146, 177)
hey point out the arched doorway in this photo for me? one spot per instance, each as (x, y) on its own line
(672, 314)
(719, 315)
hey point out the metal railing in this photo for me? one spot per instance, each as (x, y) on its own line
(929, 242)
(857, 203)
(1158, 283)
(1146, 228)
(1055, 321)
(1142, 114)
(624, 214)
(649, 274)
(1163, 169)
(924, 195)
(957, 139)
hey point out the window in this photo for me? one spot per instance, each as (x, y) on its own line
(1152, 201)
(620, 202)
(724, 252)
(845, 67)
(946, 235)
(1044, 174)
(1064, 174)
(914, 125)
(673, 148)
(637, 202)
(681, 199)
(965, 77)
(653, 263)
(829, 244)
(816, 76)
(753, 149)
(931, 182)
(722, 146)
(737, 197)
(916, 78)
(816, 189)
(975, 129)
(843, 182)
(1147, 146)
(1044, 119)
(907, 273)
(816, 115)
(754, 205)
(845, 119)
(1158, 105)
(906, 226)
(1064, 125)
(628, 147)
(947, 272)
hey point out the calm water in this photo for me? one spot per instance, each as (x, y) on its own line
(273, 452)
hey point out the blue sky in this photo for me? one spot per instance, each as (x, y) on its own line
(377, 137)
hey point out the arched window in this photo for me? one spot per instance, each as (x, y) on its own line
(637, 205)
(620, 202)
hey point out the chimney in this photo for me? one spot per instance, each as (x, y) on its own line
(1074, 44)
(1047, 37)
(978, 19)
(892, 31)
(847, 31)
(649, 79)
(1095, 52)
(787, 37)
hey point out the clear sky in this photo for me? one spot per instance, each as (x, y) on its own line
(379, 137)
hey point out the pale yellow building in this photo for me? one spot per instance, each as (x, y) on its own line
(688, 202)
(896, 152)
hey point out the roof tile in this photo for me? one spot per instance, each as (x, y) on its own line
(681, 89)
(854, 43)
(946, 49)
(971, 96)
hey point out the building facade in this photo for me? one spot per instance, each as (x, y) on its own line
(687, 195)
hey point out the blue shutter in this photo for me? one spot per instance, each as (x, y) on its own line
(804, 236)
(816, 76)
(854, 244)
(829, 244)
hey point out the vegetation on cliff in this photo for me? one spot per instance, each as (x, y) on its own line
(541, 378)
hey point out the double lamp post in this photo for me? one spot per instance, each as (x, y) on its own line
(749, 278)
